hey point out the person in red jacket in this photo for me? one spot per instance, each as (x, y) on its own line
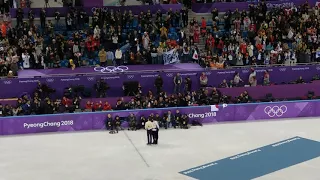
(106, 106)
(66, 102)
(98, 106)
(90, 47)
(88, 106)
(211, 43)
(203, 27)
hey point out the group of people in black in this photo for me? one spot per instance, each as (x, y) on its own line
(168, 120)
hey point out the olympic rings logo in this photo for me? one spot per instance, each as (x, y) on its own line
(275, 110)
(318, 68)
(169, 74)
(111, 69)
(50, 80)
(90, 78)
(208, 73)
(245, 71)
(283, 69)
(104, 9)
(130, 76)
(7, 82)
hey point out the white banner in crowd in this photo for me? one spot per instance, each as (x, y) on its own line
(171, 57)
(317, 54)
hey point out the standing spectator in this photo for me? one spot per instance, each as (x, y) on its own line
(118, 56)
(154, 56)
(203, 80)
(43, 18)
(57, 17)
(177, 80)
(145, 40)
(69, 22)
(26, 60)
(252, 78)
(103, 57)
(160, 55)
(237, 80)
(110, 58)
(31, 17)
(266, 78)
(158, 83)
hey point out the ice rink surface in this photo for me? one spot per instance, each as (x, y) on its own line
(125, 156)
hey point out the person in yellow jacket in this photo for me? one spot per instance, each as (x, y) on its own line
(72, 64)
(103, 57)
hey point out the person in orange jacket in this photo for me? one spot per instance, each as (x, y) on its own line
(3, 29)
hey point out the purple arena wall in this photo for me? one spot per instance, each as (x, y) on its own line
(204, 114)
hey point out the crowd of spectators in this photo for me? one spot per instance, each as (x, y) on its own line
(236, 38)
(80, 41)
(256, 37)
(260, 37)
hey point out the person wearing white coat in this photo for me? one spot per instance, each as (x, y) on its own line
(26, 60)
(96, 32)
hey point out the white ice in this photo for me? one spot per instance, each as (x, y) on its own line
(125, 156)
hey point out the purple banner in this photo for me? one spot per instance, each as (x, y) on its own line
(94, 121)
(204, 114)
(109, 70)
(224, 7)
(12, 87)
(135, 9)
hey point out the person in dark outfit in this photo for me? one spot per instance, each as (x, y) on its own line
(158, 119)
(155, 131)
(43, 18)
(184, 122)
(142, 122)
(109, 122)
(158, 84)
(177, 119)
(132, 122)
(117, 124)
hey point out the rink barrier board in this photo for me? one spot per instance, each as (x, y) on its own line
(204, 114)
(12, 87)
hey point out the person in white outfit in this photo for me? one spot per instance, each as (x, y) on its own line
(96, 32)
(26, 60)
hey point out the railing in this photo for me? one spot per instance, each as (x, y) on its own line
(202, 114)
(166, 70)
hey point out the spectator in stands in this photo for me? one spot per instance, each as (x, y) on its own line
(252, 77)
(118, 57)
(300, 80)
(177, 80)
(224, 84)
(266, 78)
(237, 80)
(203, 80)
(103, 57)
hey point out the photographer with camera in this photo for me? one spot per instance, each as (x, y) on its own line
(110, 124)
(117, 122)
(132, 122)
(158, 83)
(101, 88)
(44, 90)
